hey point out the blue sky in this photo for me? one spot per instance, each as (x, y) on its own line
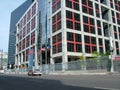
(6, 7)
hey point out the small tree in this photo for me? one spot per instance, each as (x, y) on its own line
(97, 56)
(82, 61)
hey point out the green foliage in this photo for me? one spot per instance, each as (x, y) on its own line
(82, 57)
(95, 54)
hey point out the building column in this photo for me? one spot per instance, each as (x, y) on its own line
(64, 37)
(36, 59)
(64, 62)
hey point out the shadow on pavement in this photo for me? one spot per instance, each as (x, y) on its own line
(25, 83)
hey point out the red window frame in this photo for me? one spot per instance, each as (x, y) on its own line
(119, 32)
(74, 2)
(28, 27)
(55, 6)
(88, 7)
(113, 17)
(23, 44)
(111, 3)
(20, 46)
(74, 42)
(57, 42)
(24, 31)
(117, 48)
(97, 10)
(28, 15)
(117, 6)
(118, 17)
(34, 9)
(56, 21)
(89, 25)
(90, 44)
(27, 41)
(20, 35)
(73, 21)
(24, 20)
(32, 37)
(100, 46)
(115, 33)
(33, 23)
(27, 54)
(99, 27)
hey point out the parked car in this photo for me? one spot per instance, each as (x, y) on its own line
(35, 72)
(2, 71)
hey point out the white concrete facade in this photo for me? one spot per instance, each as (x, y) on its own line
(66, 54)
(20, 59)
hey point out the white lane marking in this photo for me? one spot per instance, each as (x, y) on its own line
(106, 88)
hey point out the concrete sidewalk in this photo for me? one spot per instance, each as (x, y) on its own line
(82, 72)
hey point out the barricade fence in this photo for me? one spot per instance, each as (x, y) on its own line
(90, 64)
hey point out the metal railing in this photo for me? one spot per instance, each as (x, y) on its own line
(79, 65)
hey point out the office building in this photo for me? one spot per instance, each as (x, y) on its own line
(15, 16)
(72, 27)
(3, 60)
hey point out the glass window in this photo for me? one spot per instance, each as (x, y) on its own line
(100, 41)
(70, 47)
(86, 28)
(68, 14)
(105, 13)
(78, 38)
(77, 26)
(77, 17)
(87, 49)
(59, 37)
(56, 5)
(69, 24)
(28, 27)
(54, 39)
(101, 49)
(69, 3)
(60, 47)
(107, 46)
(87, 39)
(78, 48)
(34, 9)
(33, 23)
(93, 40)
(74, 4)
(92, 22)
(70, 36)
(92, 29)
(84, 2)
(54, 49)
(94, 48)
(105, 29)
(56, 22)
(85, 19)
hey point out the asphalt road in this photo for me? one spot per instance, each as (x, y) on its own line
(45, 82)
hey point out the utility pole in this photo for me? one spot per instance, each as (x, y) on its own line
(46, 41)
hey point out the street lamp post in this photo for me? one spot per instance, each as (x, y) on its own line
(111, 53)
(111, 47)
